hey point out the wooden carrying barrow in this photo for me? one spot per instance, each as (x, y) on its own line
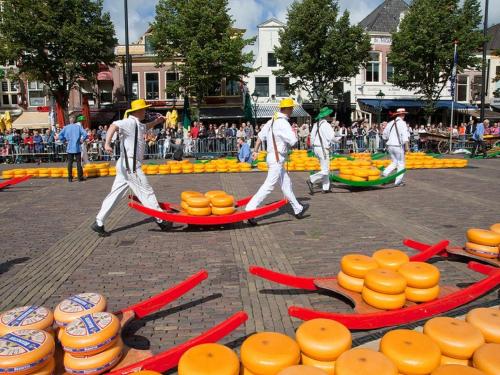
(13, 181)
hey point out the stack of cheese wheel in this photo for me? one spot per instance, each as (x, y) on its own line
(384, 289)
(390, 259)
(487, 320)
(354, 268)
(487, 359)
(245, 167)
(187, 168)
(457, 340)
(262, 166)
(199, 168)
(261, 156)
(456, 370)
(112, 171)
(321, 342)
(422, 281)
(32, 172)
(27, 351)
(43, 173)
(346, 173)
(302, 370)
(412, 352)
(176, 168)
(483, 243)
(7, 175)
(221, 203)
(360, 361)
(268, 353)
(195, 204)
(56, 172)
(27, 317)
(495, 228)
(92, 344)
(209, 359)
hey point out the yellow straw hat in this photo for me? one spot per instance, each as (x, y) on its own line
(136, 105)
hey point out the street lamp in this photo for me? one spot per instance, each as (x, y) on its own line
(380, 97)
(255, 97)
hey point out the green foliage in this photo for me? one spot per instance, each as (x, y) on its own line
(57, 42)
(422, 49)
(198, 38)
(321, 49)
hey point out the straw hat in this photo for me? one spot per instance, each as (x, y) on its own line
(399, 111)
(137, 105)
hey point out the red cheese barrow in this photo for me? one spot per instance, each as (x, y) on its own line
(13, 181)
(175, 214)
(136, 360)
(367, 317)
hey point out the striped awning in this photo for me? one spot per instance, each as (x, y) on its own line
(32, 120)
(267, 110)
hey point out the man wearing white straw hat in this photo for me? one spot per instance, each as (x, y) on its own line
(129, 174)
(397, 140)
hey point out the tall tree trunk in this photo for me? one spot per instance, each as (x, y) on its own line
(61, 97)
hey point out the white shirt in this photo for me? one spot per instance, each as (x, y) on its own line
(127, 133)
(391, 135)
(325, 131)
(283, 134)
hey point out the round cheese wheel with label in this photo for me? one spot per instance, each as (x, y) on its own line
(455, 338)
(185, 195)
(27, 317)
(96, 364)
(456, 370)
(48, 369)
(390, 258)
(209, 359)
(267, 353)
(222, 201)
(383, 301)
(326, 366)
(483, 237)
(357, 265)
(90, 334)
(198, 202)
(420, 274)
(385, 281)
(453, 361)
(25, 351)
(353, 284)
(302, 370)
(487, 320)
(361, 361)
(323, 339)
(495, 228)
(412, 352)
(221, 211)
(205, 211)
(214, 193)
(487, 359)
(490, 252)
(77, 306)
(422, 295)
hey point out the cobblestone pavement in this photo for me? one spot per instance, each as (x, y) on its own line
(48, 252)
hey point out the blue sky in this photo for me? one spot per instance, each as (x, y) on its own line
(247, 13)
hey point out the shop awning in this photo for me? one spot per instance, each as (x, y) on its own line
(490, 115)
(227, 113)
(267, 110)
(32, 120)
(409, 104)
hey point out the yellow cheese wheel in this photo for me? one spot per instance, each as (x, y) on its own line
(495, 228)
(209, 359)
(373, 178)
(455, 338)
(383, 301)
(90, 334)
(453, 361)
(222, 201)
(390, 258)
(198, 202)
(328, 367)
(221, 211)
(188, 194)
(95, 364)
(204, 211)
(487, 359)
(484, 251)
(358, 179)
(323, 339)
(420, 274)
(48, 369)
(364, 173)
(360, 361)
(302, 370)
(25, 351)
(353, 284)
(184, 206)
(345, 176)
(487, 320)
(483, 237)
(412, 352)
(385, 281)
(422, 295)
(357, 265)
(267, 353)
(214, 193)
(456, 370)
(374, 172)
(27, 317)
(77, 306)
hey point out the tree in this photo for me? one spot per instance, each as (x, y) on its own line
(57, 42)
(320, 49)
(422, 49)
(198, 38)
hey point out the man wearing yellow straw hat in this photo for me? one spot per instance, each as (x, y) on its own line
(397, 140)
(129, 174)
(280, 138)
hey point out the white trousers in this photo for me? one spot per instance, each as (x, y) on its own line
(275, 174)
(323, 176)
(137, 182)
(397, 154)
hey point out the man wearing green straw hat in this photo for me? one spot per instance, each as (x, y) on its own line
(322, 136)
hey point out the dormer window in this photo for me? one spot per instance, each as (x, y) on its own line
(272, 62)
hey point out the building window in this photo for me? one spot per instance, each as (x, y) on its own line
(152, 86)
(462, 87)
(135, 86)
(232, 88)
(477, 83)
(262, 86)
(373, 68)
(172, 77)
(10, 89)
(37, 98)
(282, 87)
(390, 73)
(148, 46)
(271, 60)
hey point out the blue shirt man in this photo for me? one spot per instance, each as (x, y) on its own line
(244, 155)
(73, 134)
(479, 133)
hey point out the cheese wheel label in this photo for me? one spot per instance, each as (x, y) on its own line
(23, 316)
(13, 344)
(89, 324)
(96, 370)
(80, 302)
